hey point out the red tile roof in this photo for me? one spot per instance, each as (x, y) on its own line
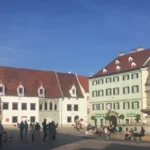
(139, 58)
(66, 81)
(84, 82)
(32, 79)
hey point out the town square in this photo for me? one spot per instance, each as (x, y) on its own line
(74, 74)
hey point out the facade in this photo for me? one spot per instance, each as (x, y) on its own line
(119, 88)
(35, 95)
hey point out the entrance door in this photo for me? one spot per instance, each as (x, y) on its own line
(113, 120)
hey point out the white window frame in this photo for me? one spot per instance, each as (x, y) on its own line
(135, 104)
(116, 91)
(135, 89)
(126, 105)
(126, 90)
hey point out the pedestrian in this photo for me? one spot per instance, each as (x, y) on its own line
(26, 127)
(1, 133)
(53, 130)
(32, 132)
(50, 130)
(44, 130)
(37, 129)
(21, 129)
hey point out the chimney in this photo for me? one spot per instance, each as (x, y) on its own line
(140, 49)
(121, 53)
(133, 50)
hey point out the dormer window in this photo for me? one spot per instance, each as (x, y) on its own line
(104, 70)
(41, 91)
(20, 90)
(2, 89)
(118, 68)
(73, 91)
(130, 59)
(133, 64)
(117, 62)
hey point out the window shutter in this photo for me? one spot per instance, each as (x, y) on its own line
(132, 89)
(110, 80)
(123, 105)
(102, 92)
(128, 77)
(93, 106)
(106, 81)
(137, 88)
(110, 91)
(118, 106)
(123, 90)
(137, 75)
(106, 92)
(123, 77)
(113, 91)
(137, 104)
(114, 105)
(111, 105)
(103, 106)
(128, 89)
(113, 79)
(132, 105)
(132, 76)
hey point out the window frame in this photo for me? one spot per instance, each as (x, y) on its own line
(31, 117)
(69, 117)
(69, 106)
(16, 117)
(7, 106)
(22, 106)
(77, 107)
(107, 92)
(16, 105)
(32, 104)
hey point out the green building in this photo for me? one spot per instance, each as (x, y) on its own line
(118, 89)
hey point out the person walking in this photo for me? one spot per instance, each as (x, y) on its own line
(21, 129)
(26, 127)
(50, 130)
(37, 130)
(44, 130)
(32, 132)
(1, 133)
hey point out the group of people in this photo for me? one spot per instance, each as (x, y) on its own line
(35, 129)
(133, 133)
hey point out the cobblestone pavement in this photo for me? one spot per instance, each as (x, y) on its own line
(68, 139)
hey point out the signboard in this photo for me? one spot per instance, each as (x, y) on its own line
(23, 118)
(97, 115)
(131, 115)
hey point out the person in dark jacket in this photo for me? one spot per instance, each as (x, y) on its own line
(53, 130)
(44, 130)
(26, 127)
(21, 129)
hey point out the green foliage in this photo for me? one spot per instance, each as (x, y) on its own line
(138, 117)
(107, 117)
(121, 117)
(93, 118)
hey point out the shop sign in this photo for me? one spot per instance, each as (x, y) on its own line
(97, 115)
(131, 115)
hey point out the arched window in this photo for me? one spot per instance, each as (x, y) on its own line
(50, 106)
(20, 90)
(41, 91)
(45, 106)
(55, 107)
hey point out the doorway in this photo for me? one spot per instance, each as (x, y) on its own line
(113, 120)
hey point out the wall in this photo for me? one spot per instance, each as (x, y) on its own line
(81, 110)
(7, 114)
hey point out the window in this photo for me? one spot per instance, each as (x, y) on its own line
(130, 58)
(135, 105)
(24, 106)
(135, 76)
(45, 106)
(115, 91)
(93, 106)
(55, 107)
(126, 77)
(73, 91)
(100, 93)
(68, 107)
(76, 108)
(126, 105)
(92, 82)
(32, 119)
(15, 106)
(14, 119)
(97, 81)
(5, 106)
(94, 93)
(108, 106)
(135, 89)
(41, 92)
(101, 106)
(133, 64)
(32, 106)
(40, 106)
(126, 90)
(101, 81)
(108, 80)
(69, 119)
(117, 62)
(108, 92)
(51, 106)
(20, 90)
(97, 106)
(115, 79)
(116, 106)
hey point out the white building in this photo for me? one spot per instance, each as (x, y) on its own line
(35, 95)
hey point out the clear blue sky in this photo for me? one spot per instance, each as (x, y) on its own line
(80, 36)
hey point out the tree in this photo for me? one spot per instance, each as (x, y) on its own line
(93, 118)
(121, 117)
(107, 117)
(137, 117)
